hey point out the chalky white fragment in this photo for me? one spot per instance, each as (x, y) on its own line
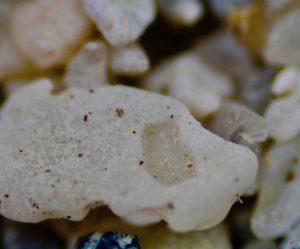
(282, 46)
(48, 32)
(278, 206)
(130, 60)
(118, 146)
(187, 78)
(184, 12)
(121, 21)
(88, 68)
(283, 113)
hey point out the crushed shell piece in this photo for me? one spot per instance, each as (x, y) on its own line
(278, 207)
(130, 60)
(183, 12)
(121, 21)
(187, 78)
(283, 113)
(88, 68)
(48, 32)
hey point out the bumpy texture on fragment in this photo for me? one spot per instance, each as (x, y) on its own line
(88, 68)
(224, 52)
(129, 60)
(187, 78)
(121, 21)
(63, 154)
(48, 32)
(278, 207)
(237, 124)
(161, 238)
(283, 42)
(184, 12)
(283, 113)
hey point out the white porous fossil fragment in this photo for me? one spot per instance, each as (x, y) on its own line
(278, 206)
(187, 78)
(48, 32)
(88, 68)
(184, 12)
(129, 60)
(121, 21)
(134, 151)
(282, 46)
(283, 113)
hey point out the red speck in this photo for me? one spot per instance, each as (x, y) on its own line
(85, 118)
(120, 112)
(170, 206)
(189, 166)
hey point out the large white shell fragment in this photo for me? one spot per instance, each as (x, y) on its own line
(130, 60)
(282, 46)
(237, 124)
(283, 114)
(184, 12)
(135, 151)
(161, 238)
(187, 78)
(121, 21)
(88, 68)
(48, 32)
(278, 207)
(224, 52)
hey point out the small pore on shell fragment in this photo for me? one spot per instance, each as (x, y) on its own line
(75, 148)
